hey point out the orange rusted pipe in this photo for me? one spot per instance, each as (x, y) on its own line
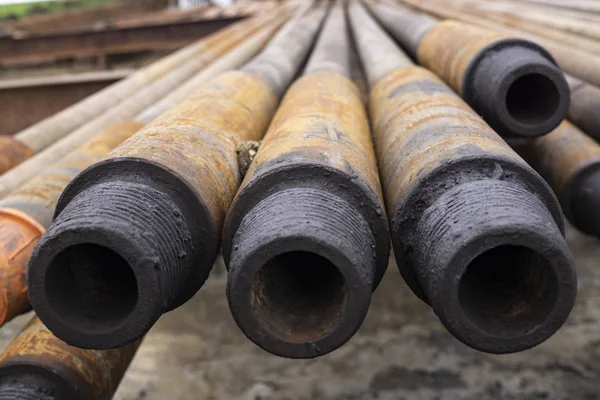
(146, 221)
(26, 212)
(513, 83)
(306, 239)
(465, 211)
(569, 160)
(37, 365)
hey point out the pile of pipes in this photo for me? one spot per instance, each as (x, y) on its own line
(301, 143)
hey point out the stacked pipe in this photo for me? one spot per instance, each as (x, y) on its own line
(306, 239)
(465, 210)
(136, 235)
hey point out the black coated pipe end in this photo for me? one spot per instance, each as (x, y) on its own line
(27, 381)
(124, 248)
(301, 272)
(494, 266)
(517, 88)
(582, 196)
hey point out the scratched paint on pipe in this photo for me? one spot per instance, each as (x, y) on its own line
(449, 47)
(419, 124)
(97, 373)
(559, 155)
(198, 138)
(12, 152)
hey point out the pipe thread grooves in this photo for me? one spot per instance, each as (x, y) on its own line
(15, 392)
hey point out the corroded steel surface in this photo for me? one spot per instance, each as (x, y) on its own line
(80, 374)
(12, 152)
(560, 156)
(198, 139)
(18, 235)
(26, 212)
(449, 48)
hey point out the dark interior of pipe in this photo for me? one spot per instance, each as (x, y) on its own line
(508, 290)
(300, 296)
(532, 99)
(91, 287)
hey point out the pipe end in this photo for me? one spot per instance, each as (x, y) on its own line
(301, 273)
(495, 267)
(115, 258)
(518, 89)
(584, 197)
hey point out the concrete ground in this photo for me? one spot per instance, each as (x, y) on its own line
(401, 353)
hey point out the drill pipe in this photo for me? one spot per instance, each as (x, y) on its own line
(570, 162)
(582, 64)
(38, 366)
(585, 104)
(34, 139)
(513, 83)
(124, 111)
(135, 235)
(306, 238)
(465, 212)
(27, 212)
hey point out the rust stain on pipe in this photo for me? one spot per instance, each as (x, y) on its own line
(37, 363)
(569, 160)
(12, 152)
(26, 212)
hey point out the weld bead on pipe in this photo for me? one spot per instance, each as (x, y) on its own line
(569, 160)
(513, 83)
(27, 212)
(306, 238)
(36, 365)
(136, 235)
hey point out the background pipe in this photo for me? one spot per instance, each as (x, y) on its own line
(465, 211)
(306, 239)
(36, 365)
(136, 235)
(513, 83)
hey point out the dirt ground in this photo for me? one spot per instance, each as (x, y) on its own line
(401, 353)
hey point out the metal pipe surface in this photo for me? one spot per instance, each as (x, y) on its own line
(37, 365)
(306, 239)
(124, 111)
(569, 160)
(27, 212)
(513, 83)
(136, 235)
(465, 213)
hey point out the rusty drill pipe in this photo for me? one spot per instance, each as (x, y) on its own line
(569, 160)
(27, 212)
(135, 235)
(513, 83)
(306, 239)
(465, 213)
(124, 111)
(37, 365)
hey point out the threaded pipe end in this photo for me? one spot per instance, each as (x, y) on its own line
(114, 259)
(301, 273)
(494, 266)
(517, 88)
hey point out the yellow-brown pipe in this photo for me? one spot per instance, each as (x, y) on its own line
(37, 365)
(569, 160)
(146, 221)
(26, 212)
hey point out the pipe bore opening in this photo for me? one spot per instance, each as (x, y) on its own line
(91, 287)
(508, 290)
(299, 296)
(532, 99)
